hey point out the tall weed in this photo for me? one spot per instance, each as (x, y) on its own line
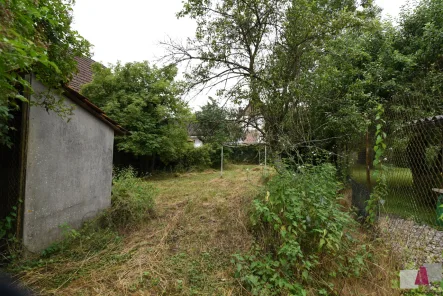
(132, 200)
(304, 238)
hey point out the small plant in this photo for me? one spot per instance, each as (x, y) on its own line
(300, 226)
(132, 200)
(89, 238)
(380, 190)
(7, 225)
(8, 239)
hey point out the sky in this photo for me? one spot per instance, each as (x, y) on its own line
(131, 30)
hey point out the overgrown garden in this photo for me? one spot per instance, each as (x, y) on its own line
(334, 91)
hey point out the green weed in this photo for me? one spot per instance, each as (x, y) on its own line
(304, 238)
(132, 200)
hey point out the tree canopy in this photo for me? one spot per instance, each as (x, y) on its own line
(315, 71)
(146, 101)
(36, 37)
(271, 50)
(217, 124)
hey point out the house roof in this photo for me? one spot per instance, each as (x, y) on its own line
(72, 91)
(84, 74)
(192, 129)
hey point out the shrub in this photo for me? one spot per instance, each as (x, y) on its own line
(195, 158)
(132, 200)
(76, 243)
(300, 226)
(248, 154)
(216, 155)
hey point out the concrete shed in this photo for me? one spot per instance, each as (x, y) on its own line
(61, 170)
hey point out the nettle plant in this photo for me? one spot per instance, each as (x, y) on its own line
(304, 238)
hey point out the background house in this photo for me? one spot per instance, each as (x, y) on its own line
(195, 141)
(62, 171)
(252, 123)
(193, 136)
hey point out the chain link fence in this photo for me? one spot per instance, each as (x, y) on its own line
(410, 214)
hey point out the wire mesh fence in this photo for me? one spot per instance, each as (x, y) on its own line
(413, 165)
(410, 213)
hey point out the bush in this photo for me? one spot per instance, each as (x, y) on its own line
(195, 158)
(300, 226)
(216, 155)
(248, 154)
(209, 156)
(132, 200)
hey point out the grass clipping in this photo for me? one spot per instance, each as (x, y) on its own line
(184, 249)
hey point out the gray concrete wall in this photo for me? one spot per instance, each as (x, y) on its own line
(68, 173)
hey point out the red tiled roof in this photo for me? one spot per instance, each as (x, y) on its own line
(252, 137)
(84, 74)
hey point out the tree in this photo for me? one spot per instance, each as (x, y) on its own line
(399, 67)
(36, 37)
(146, 101)
(269, 49)
(420, 39)
(216, 124)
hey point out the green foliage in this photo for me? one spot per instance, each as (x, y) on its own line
(8, 235)
(300, 225)
(247, 154)
(274, 62)
(132, 200)
(36, 37)
(209, 156)
(7, 224)
(146, 101)
(426, 291)
(315, 71)
(195, 158)
(379, 191)
(216, 124)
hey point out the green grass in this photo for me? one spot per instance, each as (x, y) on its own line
(401, 200)
(396, 177)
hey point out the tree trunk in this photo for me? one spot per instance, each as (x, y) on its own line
(154, 156)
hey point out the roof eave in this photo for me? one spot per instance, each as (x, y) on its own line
(94, 110)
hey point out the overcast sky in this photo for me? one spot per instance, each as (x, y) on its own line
(130, 30)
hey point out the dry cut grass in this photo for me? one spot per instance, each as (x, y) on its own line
(201, 220)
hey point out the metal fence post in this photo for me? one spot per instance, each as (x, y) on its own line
(221, 164)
